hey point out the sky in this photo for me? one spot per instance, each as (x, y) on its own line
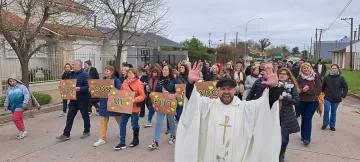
(284, 22)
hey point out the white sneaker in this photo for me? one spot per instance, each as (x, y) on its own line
(99, 142)
(22, 134)
(147, 124)
(62, 114)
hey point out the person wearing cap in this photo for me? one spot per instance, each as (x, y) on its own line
(17, 99)
(227, 128)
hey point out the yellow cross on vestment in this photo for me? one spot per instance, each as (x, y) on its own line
(225, 125)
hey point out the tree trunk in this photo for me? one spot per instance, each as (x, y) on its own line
(25, 71)
(118, 56)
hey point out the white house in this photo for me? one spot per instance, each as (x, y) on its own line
(70, 31)
(341, 56)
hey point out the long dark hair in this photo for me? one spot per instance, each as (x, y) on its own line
(171, 74)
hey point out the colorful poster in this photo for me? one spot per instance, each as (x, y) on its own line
(100, 88)
(67, 89)
(180, 93)
(120, 101)
(207, 89)
(163, 102)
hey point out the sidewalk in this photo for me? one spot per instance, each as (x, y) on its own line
(56, 99)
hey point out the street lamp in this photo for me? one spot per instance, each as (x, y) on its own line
(246, 53)
(209, 37)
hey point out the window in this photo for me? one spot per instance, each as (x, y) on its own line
(145, 52)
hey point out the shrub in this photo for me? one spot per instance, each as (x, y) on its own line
(2, 100)
(42, 98)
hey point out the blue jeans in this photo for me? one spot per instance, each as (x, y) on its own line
(327, 107)
(74, 107)
(151, 112)
(307, 110)
(178, 112)
(284, 144)
(123, 122)
(65, 105)
(159, 121)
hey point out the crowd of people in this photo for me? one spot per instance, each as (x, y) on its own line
(299, 84)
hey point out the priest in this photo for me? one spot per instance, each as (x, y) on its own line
(227, 129)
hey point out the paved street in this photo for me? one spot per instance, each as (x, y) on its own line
(40, 145)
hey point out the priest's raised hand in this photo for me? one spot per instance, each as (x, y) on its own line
(194, 73)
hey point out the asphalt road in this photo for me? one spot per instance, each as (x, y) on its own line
(41, 146)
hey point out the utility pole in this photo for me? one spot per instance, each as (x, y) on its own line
(209, 40)
(351, 40)
(311, 46)
(358, 37)
(315, 47)
(355, 34)
(224, 38)
(236, 42)
(319, 50)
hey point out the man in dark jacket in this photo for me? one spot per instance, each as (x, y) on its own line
(296, 69)
(248, 69)
(320, 68)
(93, 74)
(81, 103)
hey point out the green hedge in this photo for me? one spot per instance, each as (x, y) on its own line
(42, 98)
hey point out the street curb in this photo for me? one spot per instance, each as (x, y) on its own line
(354, 95)
(50, 108)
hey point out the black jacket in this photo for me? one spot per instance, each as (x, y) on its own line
(335, 88)
(248, 70)
(256, 90)
(93, 73)
(288, 120)
(323, 69)
(66, 75)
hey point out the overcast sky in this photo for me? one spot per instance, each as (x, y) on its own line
(290, 22)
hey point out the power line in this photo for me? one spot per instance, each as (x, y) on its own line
(342, 11)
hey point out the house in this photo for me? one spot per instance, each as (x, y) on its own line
(341, 56)
(71, 35)
(142, 48)
(327, 46)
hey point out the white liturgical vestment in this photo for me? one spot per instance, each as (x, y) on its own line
(243, 131)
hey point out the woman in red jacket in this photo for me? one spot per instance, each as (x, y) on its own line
(132, 83)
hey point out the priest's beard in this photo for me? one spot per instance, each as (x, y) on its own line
(226, 99)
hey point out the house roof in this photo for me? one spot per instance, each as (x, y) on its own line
(339, 48)
(141, 39)
(72, 4)
(13, 22)
(66, 30)
(343, 47)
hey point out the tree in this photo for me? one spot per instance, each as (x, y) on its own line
(196, 49)
(265, 42)
(295, 50)
(304, 54)
(131, 17)
(285, 49)
(21, 33)
(225, 53)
